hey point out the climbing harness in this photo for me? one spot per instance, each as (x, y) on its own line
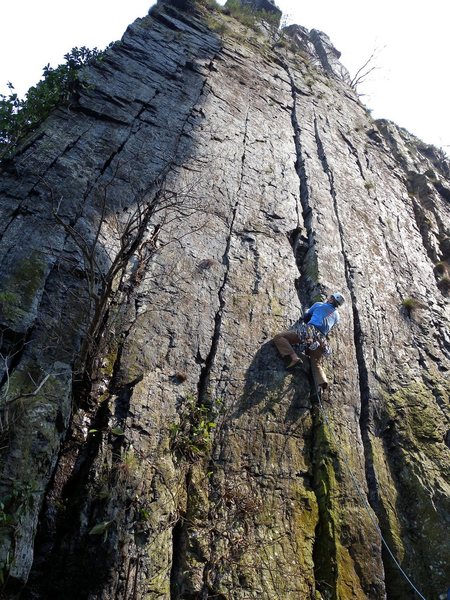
(310, 338)
(361, 493)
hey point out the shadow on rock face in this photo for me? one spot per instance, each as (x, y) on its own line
(271, 388)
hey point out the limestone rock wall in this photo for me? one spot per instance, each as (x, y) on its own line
(205, 187)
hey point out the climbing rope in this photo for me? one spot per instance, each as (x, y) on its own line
(362, 495)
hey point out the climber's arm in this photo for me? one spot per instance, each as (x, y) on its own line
(308, 314)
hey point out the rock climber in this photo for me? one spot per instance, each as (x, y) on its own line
(310, 334)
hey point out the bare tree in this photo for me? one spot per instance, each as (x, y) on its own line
(366, 69)
(123, 243)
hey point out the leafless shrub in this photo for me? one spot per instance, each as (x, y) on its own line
(368, 67)
(119, 248)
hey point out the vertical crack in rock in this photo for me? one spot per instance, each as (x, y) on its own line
(16, 212)
(118, 150)
(178, 550)
(256, 258)
(166, 521)
(363, 374)
(133, 130)
(20, 208)
(354, 152)
(304, 249)
(209, 361)
(324, 549)
(12, 347)
(49, 167)
(300, 162)
(180, 532)
(73, 473)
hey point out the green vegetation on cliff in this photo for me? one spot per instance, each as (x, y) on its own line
(18, 117)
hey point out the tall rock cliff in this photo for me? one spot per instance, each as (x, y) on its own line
(203, 187)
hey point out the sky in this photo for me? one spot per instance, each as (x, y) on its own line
(409, 86)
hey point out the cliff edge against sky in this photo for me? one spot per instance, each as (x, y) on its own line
(205, 185)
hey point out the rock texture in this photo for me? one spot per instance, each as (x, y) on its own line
(206, 185)
(320, 50)
(267, 5)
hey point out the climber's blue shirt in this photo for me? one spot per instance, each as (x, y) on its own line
(324, 316)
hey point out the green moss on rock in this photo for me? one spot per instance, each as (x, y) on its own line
(311, 267)
(21, 288)
(413, 409)
(335, 571)
(412, 470)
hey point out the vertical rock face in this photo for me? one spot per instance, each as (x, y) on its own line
(267, 5)
(199, 192)
(321, 51)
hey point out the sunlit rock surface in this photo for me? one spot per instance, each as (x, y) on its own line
(203, 188)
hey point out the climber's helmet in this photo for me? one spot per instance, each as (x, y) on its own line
(338, 298)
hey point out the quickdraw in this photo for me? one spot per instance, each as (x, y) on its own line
(311, 338)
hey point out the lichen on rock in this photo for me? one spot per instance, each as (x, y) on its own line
(213, 181)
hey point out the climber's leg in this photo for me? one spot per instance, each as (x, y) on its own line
(283, 342)
(319, 374)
